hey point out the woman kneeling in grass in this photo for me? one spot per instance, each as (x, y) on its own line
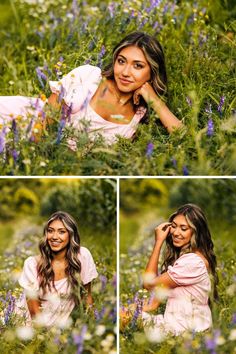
(59, 279)
(189, 260)
(111, 102)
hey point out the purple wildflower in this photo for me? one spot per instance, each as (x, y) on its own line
(2, 140)
(10, 308)
(210, 127)
(61, 94)
(234, 318)
(79, 339)
(174, 162)
(220, 106)
(41, 76)
(137, 312)
(60, 130)
(111, 8)
(101, 55)
(15, 155)
(15, 130)
(149, 150)
(185, 171)
(103, 279)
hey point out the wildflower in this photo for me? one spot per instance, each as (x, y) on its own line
(220, 106)
(101, 55)
(149, 150)
(232, 335)
(15, 155)
(174, 162)
(41, 76)
(10, 308)
(60, 130)
(185, 171)
(15, 130)
(111, 8)
(100, 330)
(25, 333)
(79, 339)
(103, 279)
(210, 127)
(2, 140)
(208, 109)
(234, 318)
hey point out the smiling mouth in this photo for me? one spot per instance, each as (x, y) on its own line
(55, 243)
(124, 81)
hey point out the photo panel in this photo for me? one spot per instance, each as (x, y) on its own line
(177, 265)
(58, 265)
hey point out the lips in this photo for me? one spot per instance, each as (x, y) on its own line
(124, 81)
(55, 243)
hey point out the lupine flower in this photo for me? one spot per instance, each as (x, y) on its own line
(174, 162)
(79, 339)
(101, 55)
(15, 130)
(60, 130)
(210, 127)
(2, 140)
(149, 150)
(103, 279)
(15, 155)
(185, 171)
(137, 312)
(10, 308)
(41, 76)
(220, 106)
(111, 8)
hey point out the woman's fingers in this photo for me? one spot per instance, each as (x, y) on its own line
(162, 231)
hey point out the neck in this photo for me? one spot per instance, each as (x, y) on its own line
(122, 97)
(59, 256)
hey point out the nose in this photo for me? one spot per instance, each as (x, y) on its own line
(126, 70)
(175, 231)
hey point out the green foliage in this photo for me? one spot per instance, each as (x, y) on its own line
(199, 43)
(92, 202)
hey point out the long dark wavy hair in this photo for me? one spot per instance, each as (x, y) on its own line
(44, 267)
(200, 241)
(154, 55)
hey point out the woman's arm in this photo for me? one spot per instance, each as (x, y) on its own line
(33, 306)
(88, 296)
(168, 119)
(151, 277)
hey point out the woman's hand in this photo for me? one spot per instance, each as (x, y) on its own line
(147, 92)
(162, 231)
(168, 119)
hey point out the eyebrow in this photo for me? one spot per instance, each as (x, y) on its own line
(135, 61)
(60, 228)
(173, 222)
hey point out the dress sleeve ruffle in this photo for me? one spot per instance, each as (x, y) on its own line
(74, 79)
(88, 267)
(28, 279)
(189, 269)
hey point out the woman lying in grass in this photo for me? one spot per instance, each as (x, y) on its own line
(59, 279)
(189, 260)
(110, 102)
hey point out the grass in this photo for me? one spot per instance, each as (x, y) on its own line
(199, 44)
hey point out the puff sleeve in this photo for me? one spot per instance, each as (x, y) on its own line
(189, 269)
(77, 85)
(88, 268)
(28, 278)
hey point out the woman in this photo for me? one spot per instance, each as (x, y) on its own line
(111, 102)
(59, 279)
(189, 260)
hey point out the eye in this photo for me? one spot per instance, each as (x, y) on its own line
(49, 231)
(138, 66)
(173, 226)
(184, 229)
(61, 232)
(120, 61)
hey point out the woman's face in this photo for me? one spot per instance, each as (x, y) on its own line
(131, 69)
(180, 231)
(57, 236)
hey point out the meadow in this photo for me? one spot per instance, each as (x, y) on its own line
(43, 40)
(91, 332)
(137, 223)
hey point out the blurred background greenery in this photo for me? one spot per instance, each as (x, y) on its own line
(92, 202)
(146, 202)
